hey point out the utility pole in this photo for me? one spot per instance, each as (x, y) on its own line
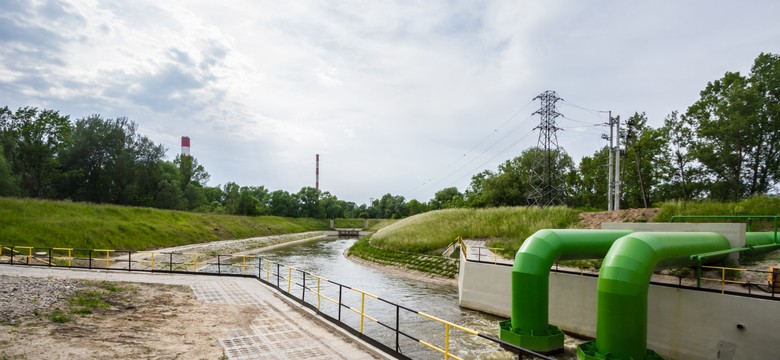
(617, 163)
(610, 181)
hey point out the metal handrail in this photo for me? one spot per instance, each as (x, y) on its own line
(200, 265)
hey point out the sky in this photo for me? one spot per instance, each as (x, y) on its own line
(400, 97)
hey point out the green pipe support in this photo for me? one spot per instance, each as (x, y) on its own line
(621, 323)
(528, 327)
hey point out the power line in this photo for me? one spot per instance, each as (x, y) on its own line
(495, 130)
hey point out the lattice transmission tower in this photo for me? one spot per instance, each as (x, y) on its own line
(548, 184)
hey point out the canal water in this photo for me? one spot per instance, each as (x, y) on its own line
(325, 258)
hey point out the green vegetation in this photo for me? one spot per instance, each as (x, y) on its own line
(427, 263)
(43, 223)
(58, 316)
(757, 205)
(505, 227)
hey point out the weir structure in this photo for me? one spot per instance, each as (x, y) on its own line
(630, 258)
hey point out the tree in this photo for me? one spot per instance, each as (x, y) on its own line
(685, 179)
(309, 202)
(109, 162)
(591, 187)
(447, 198)
(645, 163)
(415, 207)
(510, 185)
(33, 140)
(282, 203)
(736, 121)
(8, 184)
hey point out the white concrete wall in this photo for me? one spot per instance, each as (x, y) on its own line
(682, 324)
(485, 288)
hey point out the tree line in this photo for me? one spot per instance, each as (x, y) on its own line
(724, 147)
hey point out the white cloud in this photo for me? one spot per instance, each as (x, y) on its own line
(390, 93)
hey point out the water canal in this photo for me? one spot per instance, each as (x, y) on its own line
(325, 258)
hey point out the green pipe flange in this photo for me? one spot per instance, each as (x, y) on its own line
(548, 343)
(588, 351)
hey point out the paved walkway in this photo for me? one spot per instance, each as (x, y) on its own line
(281, 330)
(477, 251)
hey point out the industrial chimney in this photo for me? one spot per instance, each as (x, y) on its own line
(317, 173)
(185, 145)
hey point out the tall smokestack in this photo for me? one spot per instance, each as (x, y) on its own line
(185, 145)
(317, 173)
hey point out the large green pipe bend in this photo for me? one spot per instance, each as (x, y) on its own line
(621, 324)
(528, 326)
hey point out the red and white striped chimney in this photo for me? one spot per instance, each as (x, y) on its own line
(317, 173)
(185, 145)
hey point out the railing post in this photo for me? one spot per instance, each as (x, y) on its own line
(259, 268)
(303, 288)
(278, 274)
(49, 257)
(90, 259)
(11, 258)
(397, 328)
(362, 310)
(170, 262)
(446, 341)
(219, 265)
(698, 274)
(339, 312)
(318, 293)
(289, 280)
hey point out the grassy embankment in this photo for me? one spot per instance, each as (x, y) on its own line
(759, 205)
(42, 223)
(417, 242)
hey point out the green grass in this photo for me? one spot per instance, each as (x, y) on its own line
(427, 263)
(506, 227)
(757, 205)
(58, 316)
(43, 223)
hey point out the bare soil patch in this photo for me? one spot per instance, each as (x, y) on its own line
(593, 220)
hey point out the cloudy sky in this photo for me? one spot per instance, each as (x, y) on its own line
(401, 97)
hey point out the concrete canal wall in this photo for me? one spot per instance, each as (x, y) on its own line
(682, 323)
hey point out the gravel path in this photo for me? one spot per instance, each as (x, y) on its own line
(22, 296)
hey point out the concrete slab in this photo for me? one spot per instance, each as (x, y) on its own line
(281, 328)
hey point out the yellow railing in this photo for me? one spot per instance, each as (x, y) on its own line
(151, 260)
(723, 279)
(69, 257)
(463, 248)
(108, 258)
(243, 264)
(447, 326)
(196, 259)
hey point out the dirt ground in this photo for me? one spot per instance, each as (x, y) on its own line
(593, 220)
(141, 321)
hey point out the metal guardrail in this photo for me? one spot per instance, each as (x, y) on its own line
(384, 328)
(769, 289)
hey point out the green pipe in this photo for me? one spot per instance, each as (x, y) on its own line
(528, 326)
(621, 323)
(760, 238)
